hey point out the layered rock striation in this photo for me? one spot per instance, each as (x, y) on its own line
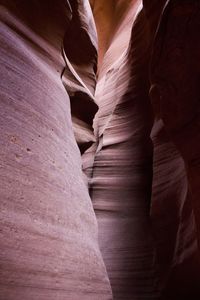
(99, 150)
(49, 247)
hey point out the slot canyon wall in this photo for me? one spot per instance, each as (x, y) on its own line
(99, 150)
(137, 169)
(49, 247)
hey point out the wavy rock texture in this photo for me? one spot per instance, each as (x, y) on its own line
(49, 247)
(138, 179)
(174, 94)
(120, 163)
(139, 139)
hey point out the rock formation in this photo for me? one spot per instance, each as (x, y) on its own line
(122, 169)
(99, 177)
(49, 247)
(138, 176)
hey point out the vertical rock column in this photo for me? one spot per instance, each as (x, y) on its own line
(49, 247)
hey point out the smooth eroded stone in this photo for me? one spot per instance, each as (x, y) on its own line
(49, 247)
(174, 95)
(139, 184)
(119, 164)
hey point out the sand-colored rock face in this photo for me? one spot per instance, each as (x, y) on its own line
(49, 247)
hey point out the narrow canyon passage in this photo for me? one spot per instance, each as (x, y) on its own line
(99, 150)
(121, 160)
(130, 164)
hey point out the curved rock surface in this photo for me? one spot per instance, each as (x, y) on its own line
(138, 179)
(136, 124)
(174, 190)
(49, 247)
(121, 178)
